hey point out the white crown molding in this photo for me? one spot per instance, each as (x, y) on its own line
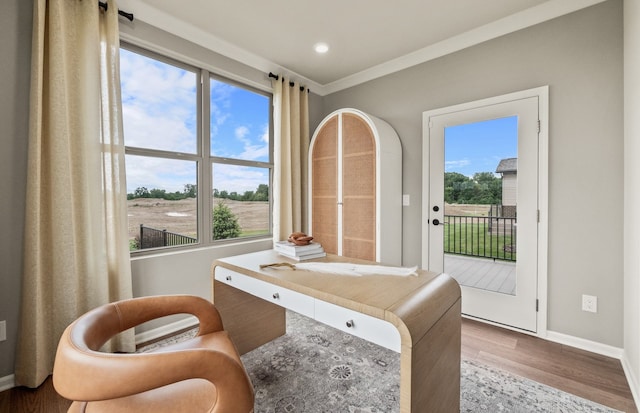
(526, 18)
(150, 15)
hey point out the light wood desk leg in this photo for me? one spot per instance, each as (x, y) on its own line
(430, 369)
(250, 321)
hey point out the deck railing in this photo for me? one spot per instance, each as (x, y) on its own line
(488, 237)
(155, 238)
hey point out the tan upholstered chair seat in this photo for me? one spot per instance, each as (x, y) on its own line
(196, 394)
(202, 374)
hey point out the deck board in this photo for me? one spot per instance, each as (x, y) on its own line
(483, 273)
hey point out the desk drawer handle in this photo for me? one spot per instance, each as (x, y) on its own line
(350, 323)
(276, 296)
(228, 278)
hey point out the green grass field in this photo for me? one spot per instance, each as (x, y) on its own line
(474, 239)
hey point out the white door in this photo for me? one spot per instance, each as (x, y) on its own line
(486, 235)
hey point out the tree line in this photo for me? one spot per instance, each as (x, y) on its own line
(483, 188)
(260, 194)
(190, 191)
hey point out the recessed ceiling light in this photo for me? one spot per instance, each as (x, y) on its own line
(321, 48)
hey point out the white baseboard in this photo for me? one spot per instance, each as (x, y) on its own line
(7, 382)
(602, 349)
(588, 345)
(166, 330)
(631, 379)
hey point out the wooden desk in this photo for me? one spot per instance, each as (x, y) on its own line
(425, 310)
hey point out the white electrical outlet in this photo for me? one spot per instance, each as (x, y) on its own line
(590, 303)
(3, 330)
(406, 201)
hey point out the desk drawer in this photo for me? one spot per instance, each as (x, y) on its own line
(361, 325)
(281, 296)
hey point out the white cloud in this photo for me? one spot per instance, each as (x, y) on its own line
(220, 103)
(159, 104)
(252, 148)
(159, 112)
(241, 132)
(457, 164)
(142, 129)
(233, 178)
(253, 152)
(156, 173)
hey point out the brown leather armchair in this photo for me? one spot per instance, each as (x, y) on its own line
(202, 374)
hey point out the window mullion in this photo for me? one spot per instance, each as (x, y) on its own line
(204, 193)
(131, 150)
(242, 162)
(176, 115)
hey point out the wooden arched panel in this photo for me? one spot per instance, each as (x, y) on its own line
(324, 198)
(358, 189)
(356, 182)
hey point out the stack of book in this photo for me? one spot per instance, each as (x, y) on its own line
(299, 252)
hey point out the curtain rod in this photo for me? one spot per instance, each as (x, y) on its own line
(276, 77)
(105, 6)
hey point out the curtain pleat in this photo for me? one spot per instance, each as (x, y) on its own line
(291, 146)
(114, 188)
(72, 262)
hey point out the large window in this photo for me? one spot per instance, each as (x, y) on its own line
(184, 189)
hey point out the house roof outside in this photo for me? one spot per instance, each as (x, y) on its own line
(508, 165)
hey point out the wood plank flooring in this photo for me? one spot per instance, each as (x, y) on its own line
(591, 376)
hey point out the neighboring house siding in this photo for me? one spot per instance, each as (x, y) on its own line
(509, 189)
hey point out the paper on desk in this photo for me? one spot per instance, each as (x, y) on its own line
(345, 268)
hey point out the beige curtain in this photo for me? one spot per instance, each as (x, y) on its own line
(291, 148)
(76, 245)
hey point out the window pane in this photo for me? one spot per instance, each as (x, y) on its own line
(239, 123)
(161, 202)
(240, 201)
(159, 104)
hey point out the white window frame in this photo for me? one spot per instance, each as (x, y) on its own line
(203, 158)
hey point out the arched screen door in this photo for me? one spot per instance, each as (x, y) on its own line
(481, 208)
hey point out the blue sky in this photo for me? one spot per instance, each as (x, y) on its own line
(159, 111)
(479, 147)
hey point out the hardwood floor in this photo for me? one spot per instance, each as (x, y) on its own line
(591, 376)
(588, 375)
(44, 399)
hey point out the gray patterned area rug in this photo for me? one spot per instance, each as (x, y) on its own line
(315, 368)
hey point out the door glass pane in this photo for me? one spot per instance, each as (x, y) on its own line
(480, 215)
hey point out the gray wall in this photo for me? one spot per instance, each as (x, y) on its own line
(580, 57)
(15, 49)
(632, 195)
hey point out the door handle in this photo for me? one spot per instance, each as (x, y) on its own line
(437, 222)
